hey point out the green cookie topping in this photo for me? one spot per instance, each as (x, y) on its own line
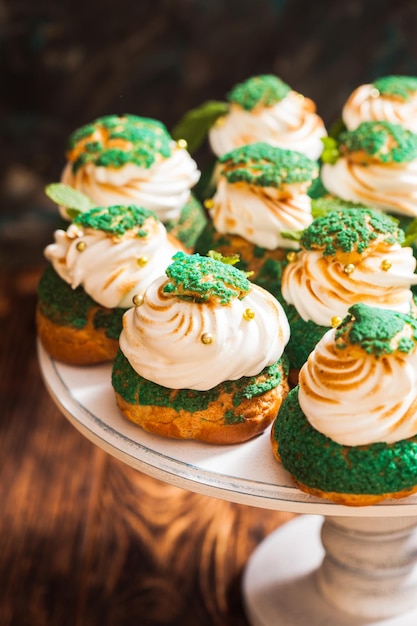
(116, 220)
(384, 141)
(267, 166)
(137, 390)
(350, 230)
(66, 306)
(114, 141)
(401, 87)
(203, 279)
(375, 330)
(318, 462)
(265, 90)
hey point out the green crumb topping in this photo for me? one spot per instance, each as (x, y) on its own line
(114, 141)
(267, 166)
(265, 90)
(401, 87)
(350, 230)
(320, 463)
(230, 417)
(303, 338)
(116, 220)
(384, 141)
(60, 303)
(375, 330)
(71, 307)
(203, 279)
(109, 320)
(137, 390)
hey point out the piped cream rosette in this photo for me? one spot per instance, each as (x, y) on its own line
(262, 192)
(130, 160)
(347, 257)
(359, 385)
(112, 252)
(264, 109)
(377, 166)
(391, 98)
(179, 338)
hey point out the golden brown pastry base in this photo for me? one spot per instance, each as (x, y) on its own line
(208, 425)
(84, 346)
(274, 444)
(348, 499)
(354, 499)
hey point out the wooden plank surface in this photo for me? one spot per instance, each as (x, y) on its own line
(86, 540)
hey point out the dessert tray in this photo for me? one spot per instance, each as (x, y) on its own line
(332, 566)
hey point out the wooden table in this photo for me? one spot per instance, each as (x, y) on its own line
(87, 540)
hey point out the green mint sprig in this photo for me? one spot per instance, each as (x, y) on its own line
(330, 152)
(74, 201)
(196, 123)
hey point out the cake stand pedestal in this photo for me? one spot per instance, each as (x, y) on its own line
(332, 566)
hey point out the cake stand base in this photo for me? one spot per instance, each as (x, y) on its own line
(280, 582)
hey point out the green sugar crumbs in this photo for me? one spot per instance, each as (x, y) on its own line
(317, 461)
(267, 166)
(349, 230)
(66, 306)
(401, 87)
(203, 279)
(385, 141)
(265, 90)
(116, 220)
(116, 141)
(375, 329)
(137, 390)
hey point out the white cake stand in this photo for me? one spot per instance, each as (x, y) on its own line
(332, 566)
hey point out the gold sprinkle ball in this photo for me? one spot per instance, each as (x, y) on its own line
(386, 265)
(142, 261)
(349, 268)
(335, 321)
(81, 246)
(209, 204)
(182, 143)
(138, 299)
(291, 256)
(248, 314)
(220, 121)
(207, 338)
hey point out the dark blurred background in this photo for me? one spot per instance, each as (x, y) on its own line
(65, 62)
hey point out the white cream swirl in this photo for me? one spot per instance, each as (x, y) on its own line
(110, 269)
(163, 188)
(162, 338)
(355, 398)
(260, 214)
(292, 123)
(319, 287)
(367, 104)
(391, 187)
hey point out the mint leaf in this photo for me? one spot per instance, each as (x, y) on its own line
(229, 260)
(337, 127)
(195, 124)
(410, 233)
(74, 201)
(292, 235)
(330, 153)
